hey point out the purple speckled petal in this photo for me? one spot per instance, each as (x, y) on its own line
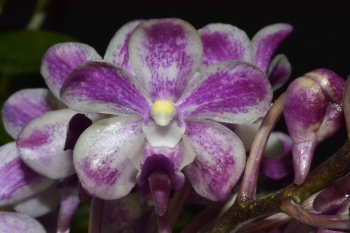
(165, 54)
(101, 157)
(41, 144)
(222, 42)
(25, 105)
(98, 86)
(312, 112)
(43, 202)
(61, 59)
(266, 41)
(279, 71)
(118, 49)
(17, 180)
(220, 159)
(19, 223)
(230, 91)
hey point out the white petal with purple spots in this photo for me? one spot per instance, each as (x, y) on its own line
(230, 91)
(17, 180)
(165, 53)
(25, 105)
(219, 162)
(265, 42)
(222, 42)
(101, 157)
(61, 59)
(118, 49)
(98, 86)
(41, 144)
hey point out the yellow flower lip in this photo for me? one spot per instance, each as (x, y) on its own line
(163, 111)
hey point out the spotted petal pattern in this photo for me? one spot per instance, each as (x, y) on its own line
(101, 157)
(165, 53)
(219, 162)
(230, 91)
(265, 42)
(118, 49)
(97, 86)
(25, 105)
(41, 144)
(222, 42)
(61, 59)
(17, 180)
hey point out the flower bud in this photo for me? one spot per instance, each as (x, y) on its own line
(313, 112)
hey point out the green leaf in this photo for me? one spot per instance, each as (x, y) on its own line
(21, 51)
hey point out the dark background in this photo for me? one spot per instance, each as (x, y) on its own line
(321, 36)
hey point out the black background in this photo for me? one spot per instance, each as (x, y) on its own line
(321, 36)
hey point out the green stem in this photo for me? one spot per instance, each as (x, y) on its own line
(38, 16)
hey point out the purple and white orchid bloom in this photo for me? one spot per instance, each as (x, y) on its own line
(164, 123)
(222, 42)
(39, 122)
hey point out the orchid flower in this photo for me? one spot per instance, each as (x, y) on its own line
(222, 42)
(38, 120)
(163, 123)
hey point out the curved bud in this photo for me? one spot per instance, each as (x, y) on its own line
(313, 112)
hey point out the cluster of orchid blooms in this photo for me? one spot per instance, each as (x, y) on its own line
(167, 108)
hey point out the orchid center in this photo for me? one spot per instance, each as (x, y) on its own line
(163, 111)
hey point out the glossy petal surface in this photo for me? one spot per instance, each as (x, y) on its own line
(41, 144)
(230, 91)
(312, 112)
(61, 59)
(279, 71)
(19, 223)
(222, 42)
(164, 54)
(219, 162)
(17, 180)
(25, 105)
(118, 49)
(101, 157)
(265, 42)
(97, 86)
